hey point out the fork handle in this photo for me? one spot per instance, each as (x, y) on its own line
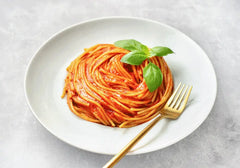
(129, 146)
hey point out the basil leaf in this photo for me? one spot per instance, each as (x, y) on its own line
(134, 58)
(153, 76)
(160, 51)
(132, 45)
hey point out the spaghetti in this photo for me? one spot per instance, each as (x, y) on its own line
(103, 90)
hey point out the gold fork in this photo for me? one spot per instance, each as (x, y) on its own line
(172, 110)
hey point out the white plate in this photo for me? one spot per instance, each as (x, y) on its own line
(46, 72)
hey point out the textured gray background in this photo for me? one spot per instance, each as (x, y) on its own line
(25, 25)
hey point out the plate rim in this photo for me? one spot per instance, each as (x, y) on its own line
(174, 141)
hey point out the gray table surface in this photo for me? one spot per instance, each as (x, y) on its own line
(26, 24)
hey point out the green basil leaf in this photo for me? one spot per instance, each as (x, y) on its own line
(132, 45)
(153, 76)
(134, 58)
(160, 51)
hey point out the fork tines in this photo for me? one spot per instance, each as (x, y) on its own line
(179, 97)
